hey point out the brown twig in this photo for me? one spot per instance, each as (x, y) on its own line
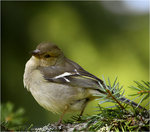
(110, 95)
(143, 92)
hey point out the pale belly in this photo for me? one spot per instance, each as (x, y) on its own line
(57, 97)
(53, 96)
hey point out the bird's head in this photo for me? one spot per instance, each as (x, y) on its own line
(47, 54)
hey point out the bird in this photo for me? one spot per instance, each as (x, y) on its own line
(59, 84)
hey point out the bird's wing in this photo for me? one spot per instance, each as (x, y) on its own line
(71, 74)
(83, 72)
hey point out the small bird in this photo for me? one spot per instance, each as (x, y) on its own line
(57, 83)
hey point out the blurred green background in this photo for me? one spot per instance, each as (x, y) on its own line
(106, 38)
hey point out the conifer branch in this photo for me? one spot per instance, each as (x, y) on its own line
(143, 90)
(114, 93)
(111, 95)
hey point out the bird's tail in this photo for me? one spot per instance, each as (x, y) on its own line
(127, 101)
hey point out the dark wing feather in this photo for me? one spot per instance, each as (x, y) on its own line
(76, 81)
(78, 76)
(83, 72)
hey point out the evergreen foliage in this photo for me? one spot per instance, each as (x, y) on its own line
(12, 119)
(142, 90)
(116, 118)
(119, 117)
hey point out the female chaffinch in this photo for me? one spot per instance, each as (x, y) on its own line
(59, 84)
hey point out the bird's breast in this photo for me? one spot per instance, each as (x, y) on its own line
(52, 96)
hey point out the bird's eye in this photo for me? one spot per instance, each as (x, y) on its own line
(47, 56)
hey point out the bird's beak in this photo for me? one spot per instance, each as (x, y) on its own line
(36, 52)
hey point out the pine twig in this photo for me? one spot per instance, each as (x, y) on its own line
(143, 90)
(110, 95)
(113, 93)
